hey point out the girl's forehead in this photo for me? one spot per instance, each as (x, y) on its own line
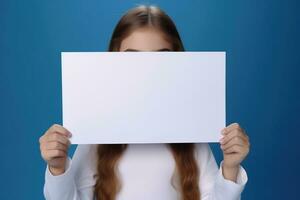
(145, 39)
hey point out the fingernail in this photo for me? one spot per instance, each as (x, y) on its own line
(223, 131)
(221, 141)
(70, 134)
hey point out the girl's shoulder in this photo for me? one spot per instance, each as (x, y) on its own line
(84, 160)
(202, 149)
(204, 154)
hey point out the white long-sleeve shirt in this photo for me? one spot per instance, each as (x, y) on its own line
(146, 172)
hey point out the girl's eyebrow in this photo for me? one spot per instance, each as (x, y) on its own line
(132, 50)
(164, 49)
(135, 50)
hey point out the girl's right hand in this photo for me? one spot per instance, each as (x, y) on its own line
(54, 145)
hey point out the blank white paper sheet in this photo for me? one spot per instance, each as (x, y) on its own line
(143, 97)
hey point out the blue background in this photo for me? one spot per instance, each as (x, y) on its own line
(261, 39)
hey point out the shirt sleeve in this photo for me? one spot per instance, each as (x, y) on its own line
(213, 185)
(60, 186)
(77, 182)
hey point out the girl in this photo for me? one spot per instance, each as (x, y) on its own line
(144, 171)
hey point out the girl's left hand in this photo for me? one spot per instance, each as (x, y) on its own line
(235, 146)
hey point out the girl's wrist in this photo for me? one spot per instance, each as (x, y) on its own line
(56, 171)
(230, 172)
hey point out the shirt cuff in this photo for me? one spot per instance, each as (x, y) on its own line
(63, 176)
(230, 189)
(54, 184)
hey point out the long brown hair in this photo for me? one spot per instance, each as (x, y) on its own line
(107, 184)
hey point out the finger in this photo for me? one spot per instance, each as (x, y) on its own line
(231, 127)
(59, 138)
(234, 141)
(41, 139)
(234, 149)
(56, 145)
(59, 129)
(55, 154)
(231, 135)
